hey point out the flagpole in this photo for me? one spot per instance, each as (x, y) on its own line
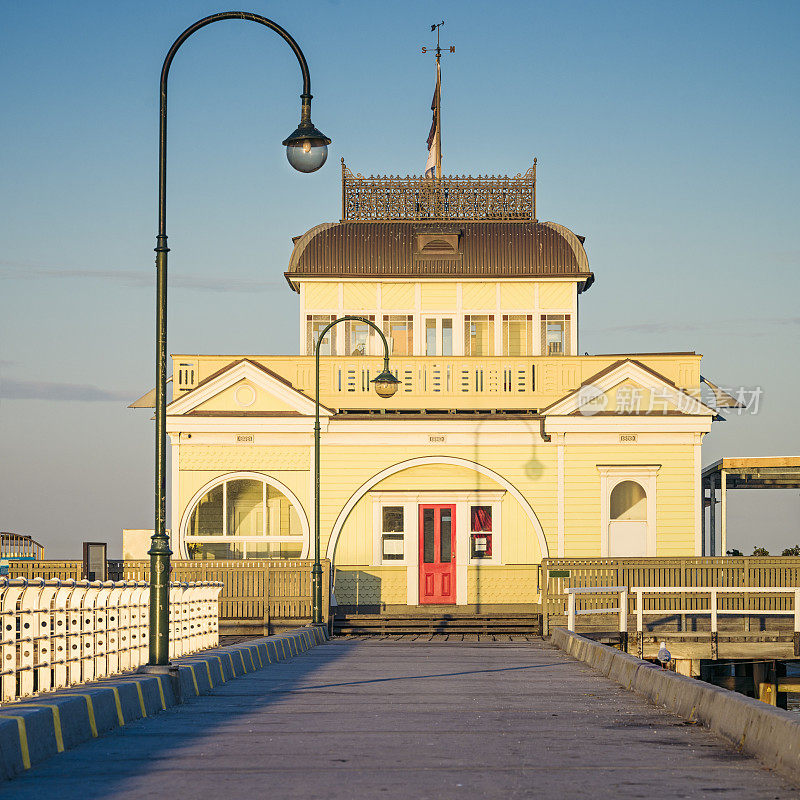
(435, 134)
(438, 117)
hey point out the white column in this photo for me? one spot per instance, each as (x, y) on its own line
(411, 551)
(699, 511)
(560, 448)
(723, 507)
(498, 323)
(175, 505)
(462, 552)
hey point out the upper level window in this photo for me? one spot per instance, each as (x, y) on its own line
(399, 332)
(555, 334)
(315, 324)
(518, 334)
(357, 336)
(479, 335)
(438, 336)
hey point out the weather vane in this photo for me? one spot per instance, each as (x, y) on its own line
(438, 48)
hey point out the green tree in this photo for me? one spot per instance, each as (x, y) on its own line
(734, 552)
(760, 551)
(792, 551)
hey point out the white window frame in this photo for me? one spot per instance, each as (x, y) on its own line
(385, 326)
(374, 347)
(493, 339)
(458, 347)
(613, 474)
(411, 502)
(567, 342)
(331, 333)
(185, 538)
(497, 528)
(530, 320)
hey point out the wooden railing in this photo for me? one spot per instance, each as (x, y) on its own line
(46, 569)
(443, 382)
(559, 574)
(252, 590)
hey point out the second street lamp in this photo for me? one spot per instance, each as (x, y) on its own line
(385, 386)
(306, 149)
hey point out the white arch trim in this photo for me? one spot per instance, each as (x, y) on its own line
(416, 462)
(256, 476)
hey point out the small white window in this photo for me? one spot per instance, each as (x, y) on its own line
(315, 324)
(392, 533)
(518, 334)
(479, 335)
(399, 332)
(357, 335)
(628, 501)
(438, 336)
(555, 335)
(480, 537)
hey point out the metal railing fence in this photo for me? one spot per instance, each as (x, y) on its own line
(683, 573)
(58, 633)
(666, 600)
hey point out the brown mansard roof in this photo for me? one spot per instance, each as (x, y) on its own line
(516, 249)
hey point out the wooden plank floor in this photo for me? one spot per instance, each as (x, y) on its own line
(400, 719)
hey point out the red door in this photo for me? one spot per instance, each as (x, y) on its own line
(437, 554)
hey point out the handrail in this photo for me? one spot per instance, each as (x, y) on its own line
(640, 594)
(58, 632)
(622, 609)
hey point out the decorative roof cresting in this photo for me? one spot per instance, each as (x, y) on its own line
(382, 198)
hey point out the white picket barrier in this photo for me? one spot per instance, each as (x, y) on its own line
(59, 633)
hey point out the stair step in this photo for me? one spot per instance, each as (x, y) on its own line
(446, 623)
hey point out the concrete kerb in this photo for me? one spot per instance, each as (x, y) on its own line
(43, 726)
(770, 734)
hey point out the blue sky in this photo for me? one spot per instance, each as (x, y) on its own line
(666, 134)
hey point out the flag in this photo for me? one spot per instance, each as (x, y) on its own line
(434, 163)
(722, 398)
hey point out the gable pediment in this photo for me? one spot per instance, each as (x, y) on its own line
(245, 388)
(628, 388)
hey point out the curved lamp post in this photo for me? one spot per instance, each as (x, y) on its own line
(306, 149)
(385, 386)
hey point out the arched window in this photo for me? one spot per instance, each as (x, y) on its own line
(628, 501)
(244, 517)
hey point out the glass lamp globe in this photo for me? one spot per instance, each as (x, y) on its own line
(386, 384)
(307, 148)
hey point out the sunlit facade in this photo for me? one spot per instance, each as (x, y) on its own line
(503, 445)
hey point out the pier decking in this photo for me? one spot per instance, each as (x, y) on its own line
(410, 719)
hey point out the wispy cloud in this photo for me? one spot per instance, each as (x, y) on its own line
(60, 392)
(139, 279)
(727, 327)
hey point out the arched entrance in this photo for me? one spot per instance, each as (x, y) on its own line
(436, 529)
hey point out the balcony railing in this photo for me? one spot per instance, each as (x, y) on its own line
(452, 383)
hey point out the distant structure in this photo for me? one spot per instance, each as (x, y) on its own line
(18, 547)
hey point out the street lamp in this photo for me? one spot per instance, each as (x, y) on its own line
(306, 149)
(385, 386)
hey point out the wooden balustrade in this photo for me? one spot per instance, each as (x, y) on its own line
(254, 590)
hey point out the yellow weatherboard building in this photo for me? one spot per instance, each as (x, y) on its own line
(502, 446)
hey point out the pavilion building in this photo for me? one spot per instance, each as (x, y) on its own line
(504, 445)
